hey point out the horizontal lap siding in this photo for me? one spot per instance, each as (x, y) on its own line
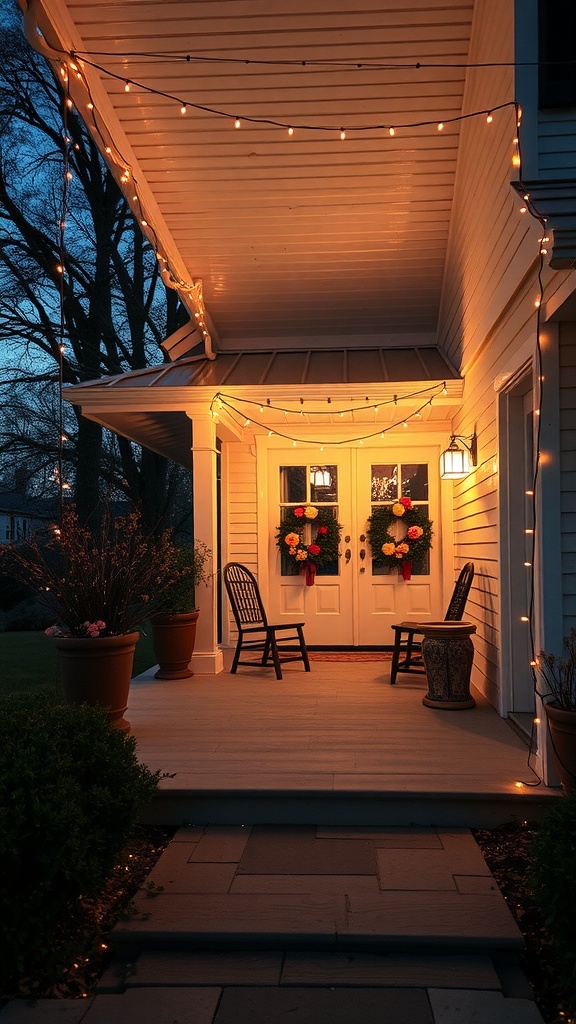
(240, 507)
(556, 144)
(567, 357)
(487, 313)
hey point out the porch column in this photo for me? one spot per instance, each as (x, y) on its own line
(207, 658)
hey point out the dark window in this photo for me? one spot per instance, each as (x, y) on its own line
(557, 53)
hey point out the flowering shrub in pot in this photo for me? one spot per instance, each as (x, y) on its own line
(101, 582)
(174, 622)
(559, 675)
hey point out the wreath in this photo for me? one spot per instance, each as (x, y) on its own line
(412, 547)
(324, 546)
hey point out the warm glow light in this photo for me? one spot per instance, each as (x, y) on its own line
(127, 87)
(183, 108)
(528, 531)
(529, 492)
(90, 106)
(392, 131)
(537, 721)
(515, 160)
(489, 119)
(237, 123)
(519, 785)
(290, 131)
(523, 209)
(537, 303)
(440, 126)
(342, 134)
(524, 618)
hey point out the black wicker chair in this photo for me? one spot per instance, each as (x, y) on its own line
(404, 632)
(255, 633)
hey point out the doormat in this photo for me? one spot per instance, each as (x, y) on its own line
(350, 655)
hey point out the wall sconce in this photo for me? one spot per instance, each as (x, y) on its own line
(456, 462)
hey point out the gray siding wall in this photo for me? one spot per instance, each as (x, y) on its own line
(567, 361)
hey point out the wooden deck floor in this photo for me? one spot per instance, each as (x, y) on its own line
(340, 729)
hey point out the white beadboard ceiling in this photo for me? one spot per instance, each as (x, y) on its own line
(302, 237)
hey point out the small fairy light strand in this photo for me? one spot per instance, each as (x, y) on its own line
(61, 271)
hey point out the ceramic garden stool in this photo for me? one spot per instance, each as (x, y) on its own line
(448, 653)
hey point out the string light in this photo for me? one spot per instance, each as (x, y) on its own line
(183, 108)
(237, 123)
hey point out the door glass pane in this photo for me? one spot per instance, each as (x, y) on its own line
(384, 482)
(292, 483)
(397, 530)
(323, 483)
(415, 482)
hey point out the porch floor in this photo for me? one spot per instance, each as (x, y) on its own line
(335, 745)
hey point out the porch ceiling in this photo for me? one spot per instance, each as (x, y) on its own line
(292, 237)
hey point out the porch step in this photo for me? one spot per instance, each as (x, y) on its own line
(332, 889)
(373, 805)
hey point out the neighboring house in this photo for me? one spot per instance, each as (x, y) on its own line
(21, 516)
(342, 288)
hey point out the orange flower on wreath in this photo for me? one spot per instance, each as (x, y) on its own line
(414, 532)
(292, 540)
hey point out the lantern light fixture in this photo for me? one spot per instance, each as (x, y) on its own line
(456, 462)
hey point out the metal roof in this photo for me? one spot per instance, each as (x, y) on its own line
(318, 367)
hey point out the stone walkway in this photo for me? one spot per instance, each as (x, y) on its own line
(272, 924)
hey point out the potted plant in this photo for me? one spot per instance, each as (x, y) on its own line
(101, 582)
(174, 622)
(559, 674)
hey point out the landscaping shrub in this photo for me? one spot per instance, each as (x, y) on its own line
(71, 789)
(553, 878)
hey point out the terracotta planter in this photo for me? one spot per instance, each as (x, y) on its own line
(448, 654)
(562, 725)
(173, 637)
(97, 671)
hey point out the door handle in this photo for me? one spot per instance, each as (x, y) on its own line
(348, 554)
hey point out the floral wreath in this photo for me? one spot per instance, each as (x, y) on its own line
(324, 547)
(412, 547)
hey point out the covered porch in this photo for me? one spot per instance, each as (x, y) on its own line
(333, 746)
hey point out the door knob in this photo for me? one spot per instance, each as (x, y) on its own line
(348, 554)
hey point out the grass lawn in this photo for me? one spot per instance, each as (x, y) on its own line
(30, 661)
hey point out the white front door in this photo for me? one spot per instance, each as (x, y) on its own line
(352, 601)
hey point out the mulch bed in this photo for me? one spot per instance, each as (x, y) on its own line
(506, 850)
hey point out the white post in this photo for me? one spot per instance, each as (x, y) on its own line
(207, 658)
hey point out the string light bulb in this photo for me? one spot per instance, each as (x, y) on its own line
(290, 131)
(391, 131)
(237, 123)
(342, 134)
(183, 108)
(440, 126)
(489, 118)
(127, 86)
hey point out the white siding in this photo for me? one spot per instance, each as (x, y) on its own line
(488, 323)
(239, 509)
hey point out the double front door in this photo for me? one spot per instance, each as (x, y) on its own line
(353, 602)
